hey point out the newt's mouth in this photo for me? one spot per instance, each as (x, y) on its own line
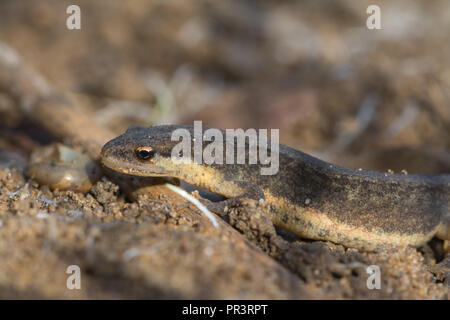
(135, 169)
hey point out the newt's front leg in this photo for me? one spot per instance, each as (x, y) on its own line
(235, 191)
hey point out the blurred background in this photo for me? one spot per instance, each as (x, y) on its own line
(375, 99)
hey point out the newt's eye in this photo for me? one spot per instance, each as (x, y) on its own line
(145, 153)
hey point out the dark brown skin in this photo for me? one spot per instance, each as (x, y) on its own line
(310, 197)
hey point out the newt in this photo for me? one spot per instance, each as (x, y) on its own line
(307, 196)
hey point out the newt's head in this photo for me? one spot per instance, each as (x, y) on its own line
(141, 152)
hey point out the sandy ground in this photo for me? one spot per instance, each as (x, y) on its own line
(149, 249)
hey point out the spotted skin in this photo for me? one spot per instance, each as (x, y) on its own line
(310, 197)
